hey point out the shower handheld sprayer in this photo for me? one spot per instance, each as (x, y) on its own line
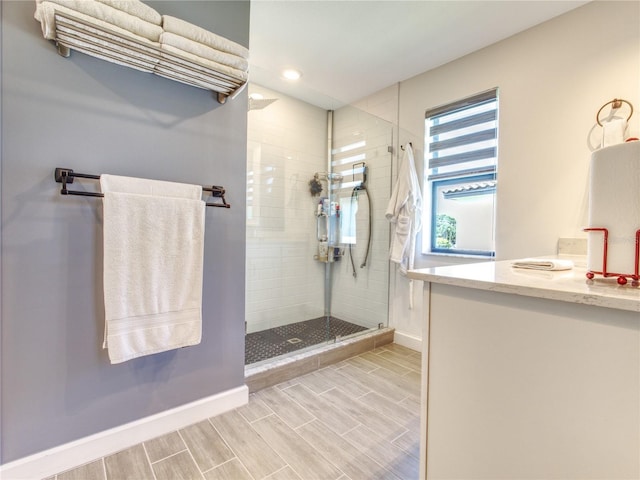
(355, 193)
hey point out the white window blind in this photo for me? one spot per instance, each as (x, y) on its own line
(462, 137)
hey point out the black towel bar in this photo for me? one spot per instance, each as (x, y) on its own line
(66, 176)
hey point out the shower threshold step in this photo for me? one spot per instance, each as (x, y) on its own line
(266, 374)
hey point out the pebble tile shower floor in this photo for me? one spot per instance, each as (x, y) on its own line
(355, 420)
(277, 341)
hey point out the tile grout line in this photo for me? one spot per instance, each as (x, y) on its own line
(104, 469)
(406, 430)
(168, 456)
(229, 461)
(190, 453)
(298, 404)
(286, 463)
(379, 412)
(349, 431)
(146, 454)
(279, 470)
(303, 425)
(409, 368)
(231, 449)
(326, 391)
(318, 452)
(256, 419)
(314, 419)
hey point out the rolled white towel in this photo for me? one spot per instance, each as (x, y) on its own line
(201, 50)
(99, 11)
(132, 7)
(203, 65)
(103, 49)
(137, 9)
(196, 79)
(46, 11)
(200, 35)
(543, 264)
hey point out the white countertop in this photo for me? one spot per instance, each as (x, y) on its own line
(567, 286)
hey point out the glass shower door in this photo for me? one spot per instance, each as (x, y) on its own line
(361, 156)
(300, 289)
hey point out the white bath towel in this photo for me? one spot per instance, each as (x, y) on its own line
(93, 10)
(550, 264)
(153, 265)
(187, 45)
(200, 35)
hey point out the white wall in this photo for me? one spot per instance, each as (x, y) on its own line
(552, 80)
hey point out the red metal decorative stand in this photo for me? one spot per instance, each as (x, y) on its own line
(622, 277)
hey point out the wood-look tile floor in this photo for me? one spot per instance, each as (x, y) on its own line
(357, 419)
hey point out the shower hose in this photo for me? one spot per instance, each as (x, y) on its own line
(354, 194)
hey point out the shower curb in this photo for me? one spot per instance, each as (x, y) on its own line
(278, 371)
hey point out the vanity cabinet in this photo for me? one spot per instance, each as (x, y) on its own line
(529, 375)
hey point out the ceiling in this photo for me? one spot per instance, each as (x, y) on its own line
(349, 49)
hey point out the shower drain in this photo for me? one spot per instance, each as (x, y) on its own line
(294, 340)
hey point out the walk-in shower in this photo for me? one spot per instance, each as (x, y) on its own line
(318, 183)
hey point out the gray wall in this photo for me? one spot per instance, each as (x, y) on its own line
(97, 117)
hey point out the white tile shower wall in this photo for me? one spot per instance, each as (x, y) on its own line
(287, 145)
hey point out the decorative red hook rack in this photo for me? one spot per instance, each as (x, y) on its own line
(622, 277)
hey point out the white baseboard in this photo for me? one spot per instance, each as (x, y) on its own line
(409, 341)
(87, 449)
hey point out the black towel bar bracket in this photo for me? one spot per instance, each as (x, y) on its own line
(65, 176)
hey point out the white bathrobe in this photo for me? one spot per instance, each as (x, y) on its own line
(405, 213)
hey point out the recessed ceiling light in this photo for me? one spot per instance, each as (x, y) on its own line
(291, 74)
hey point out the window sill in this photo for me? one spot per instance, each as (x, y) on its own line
(437, 259)
(459, 255)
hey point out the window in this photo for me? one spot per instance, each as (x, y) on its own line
(461, 159)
